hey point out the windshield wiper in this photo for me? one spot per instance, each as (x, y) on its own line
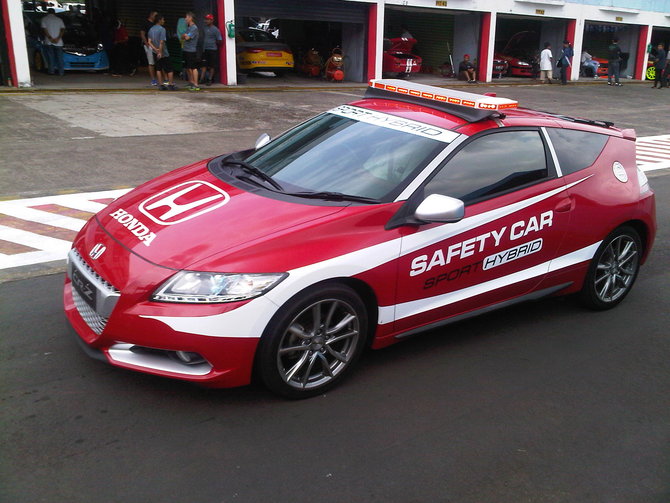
(334, 196)
(251, 169)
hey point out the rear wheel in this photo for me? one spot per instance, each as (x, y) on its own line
(613, 270)
(651, 73)
(313, 342)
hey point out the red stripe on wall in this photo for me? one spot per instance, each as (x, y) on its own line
(372, 41)
(10, 45)
(484, 35)
(641, 63)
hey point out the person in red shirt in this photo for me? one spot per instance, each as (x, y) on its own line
(119, 59)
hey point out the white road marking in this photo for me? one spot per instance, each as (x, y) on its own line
(653, 152)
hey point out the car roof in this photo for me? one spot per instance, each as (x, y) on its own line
(467, 120)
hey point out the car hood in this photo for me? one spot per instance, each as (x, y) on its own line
(188, 215)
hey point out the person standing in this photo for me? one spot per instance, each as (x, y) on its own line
(659, 66)
(565, 62)
(53, 29)
(546, 63)
(120, 50)
(157, 38)
(613, 62)
(211, 37)
(147, 24)
(190, 51)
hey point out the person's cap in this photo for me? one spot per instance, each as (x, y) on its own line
(466, 56)
(566, 41)
(209, 16)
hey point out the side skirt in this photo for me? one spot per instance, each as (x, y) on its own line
(517, 300)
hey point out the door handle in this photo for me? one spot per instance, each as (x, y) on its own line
(566, 204)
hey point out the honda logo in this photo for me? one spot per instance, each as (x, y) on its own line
(96, 251)
(183, 202)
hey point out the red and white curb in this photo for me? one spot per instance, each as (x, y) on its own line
(41, 229)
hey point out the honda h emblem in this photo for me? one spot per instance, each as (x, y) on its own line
(183, 202)
(96, 251)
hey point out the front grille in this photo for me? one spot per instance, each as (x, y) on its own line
(106, 293)
(93, 320)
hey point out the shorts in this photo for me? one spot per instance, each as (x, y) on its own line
(151, 57)
(164, 65)
(191, 60)
(210, 58)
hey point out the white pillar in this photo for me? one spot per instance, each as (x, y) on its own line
(577, 47)
(18, 59)
(491, 45)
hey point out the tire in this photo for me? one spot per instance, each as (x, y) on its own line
(298, 358)
(651, 73)
(613, 270)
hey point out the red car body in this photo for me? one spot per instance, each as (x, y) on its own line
(398, 57)
(539, 238)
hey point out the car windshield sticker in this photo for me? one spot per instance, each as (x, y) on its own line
(396, 123)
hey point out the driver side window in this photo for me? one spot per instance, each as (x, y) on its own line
(491, 165)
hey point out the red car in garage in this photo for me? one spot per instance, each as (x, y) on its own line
(398, 58)
(401, 212)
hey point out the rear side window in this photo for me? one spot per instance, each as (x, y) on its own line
(576, 149)
(491, 165)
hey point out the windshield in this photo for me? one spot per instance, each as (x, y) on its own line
(332, 153)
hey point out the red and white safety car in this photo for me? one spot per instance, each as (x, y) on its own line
(364, 225)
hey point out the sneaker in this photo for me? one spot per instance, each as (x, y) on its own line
(209, 82)
(193, 88)
(618, 84)
(154, 82)
(163, 87)
(609, 83)
(172, 87)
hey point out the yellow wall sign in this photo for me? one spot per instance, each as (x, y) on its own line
(539, 11)
(619, 18)
(441, 3)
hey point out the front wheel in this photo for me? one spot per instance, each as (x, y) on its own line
(613, 270)
(313, 342)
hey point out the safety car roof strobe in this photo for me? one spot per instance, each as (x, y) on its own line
(469, 106)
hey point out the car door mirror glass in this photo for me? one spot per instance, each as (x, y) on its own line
(439, 208)
(262, 140)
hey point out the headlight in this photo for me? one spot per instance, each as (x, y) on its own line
(209, 287)
(523, 63)
(100, 47)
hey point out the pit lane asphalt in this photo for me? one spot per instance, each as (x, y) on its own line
(543, 402)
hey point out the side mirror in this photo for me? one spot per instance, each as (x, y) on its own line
(262, 140)
(439, 208)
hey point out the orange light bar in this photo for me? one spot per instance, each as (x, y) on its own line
(432, 93)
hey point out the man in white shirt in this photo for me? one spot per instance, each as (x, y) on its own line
(546, 63)
(589, 62)
(53, 29)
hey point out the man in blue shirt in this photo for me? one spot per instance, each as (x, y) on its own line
(211, 38)
(659, 65)
(156, 39)
(190, 51)
(564, 61)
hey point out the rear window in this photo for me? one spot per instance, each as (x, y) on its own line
(576, 150)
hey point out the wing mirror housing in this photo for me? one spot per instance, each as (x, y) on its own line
(439, 208)
(262, 140)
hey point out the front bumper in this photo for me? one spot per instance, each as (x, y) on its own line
(128, 331)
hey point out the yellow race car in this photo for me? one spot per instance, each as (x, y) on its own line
(258, 50)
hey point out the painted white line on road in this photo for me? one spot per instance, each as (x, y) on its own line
(29, 258)
(41, 217)
(27, 238)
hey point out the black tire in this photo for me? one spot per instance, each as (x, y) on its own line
(298, 358)
(613, 270)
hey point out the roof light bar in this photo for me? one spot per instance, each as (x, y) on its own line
(440, 95)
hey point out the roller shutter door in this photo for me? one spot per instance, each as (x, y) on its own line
(306, 10)
(433, 30)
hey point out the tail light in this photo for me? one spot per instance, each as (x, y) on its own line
(254, 51)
